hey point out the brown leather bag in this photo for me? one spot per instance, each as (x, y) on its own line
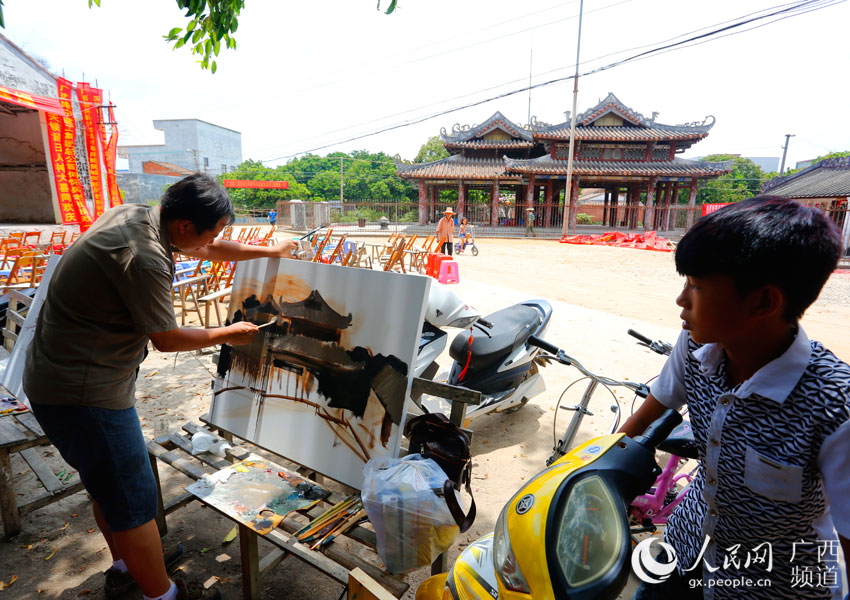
(434, 436)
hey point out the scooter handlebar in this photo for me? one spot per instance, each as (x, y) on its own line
(543, 345)
(659, 429)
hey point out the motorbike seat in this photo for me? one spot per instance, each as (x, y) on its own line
(680, 441)
(512, 326)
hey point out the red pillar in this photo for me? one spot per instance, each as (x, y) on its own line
(692, 203)
(494, 204)
(649, 211)
(529, 201)
(547, 215)
(461, 200)
(671, 206)
(423, 202)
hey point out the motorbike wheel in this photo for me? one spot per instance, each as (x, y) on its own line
(474, 250)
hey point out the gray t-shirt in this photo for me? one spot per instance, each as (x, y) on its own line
(111, 288)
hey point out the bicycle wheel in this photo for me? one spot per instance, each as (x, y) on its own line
(474, 250)
(458, 248)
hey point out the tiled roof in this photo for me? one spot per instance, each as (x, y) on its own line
(625, 134)
(825, 179)
(457, 167)
(497, 121)
(611, 104)
(490, 144)
(157, 166)
(678, 167)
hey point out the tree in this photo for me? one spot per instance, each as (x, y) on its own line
(818, 159)
(431, 150)
(210, 23)
(743, 181)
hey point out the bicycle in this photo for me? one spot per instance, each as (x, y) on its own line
(467, 242)
(657, 504)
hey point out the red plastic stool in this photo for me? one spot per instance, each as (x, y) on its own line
(449, 272)
(439, 260)
(433, 264)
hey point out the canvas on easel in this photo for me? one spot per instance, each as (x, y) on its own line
(326, 383)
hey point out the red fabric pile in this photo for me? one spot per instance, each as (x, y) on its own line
(647, 241)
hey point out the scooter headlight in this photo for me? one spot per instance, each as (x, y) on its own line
(590, 536)
(463, 322)
(504, 560)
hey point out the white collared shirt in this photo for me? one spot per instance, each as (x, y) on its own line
(772, 449)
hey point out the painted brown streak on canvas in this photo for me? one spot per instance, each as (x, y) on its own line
(304, 339)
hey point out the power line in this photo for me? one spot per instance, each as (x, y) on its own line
(808, 5)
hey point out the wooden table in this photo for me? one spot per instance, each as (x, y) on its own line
(22, 433)
(335, 561)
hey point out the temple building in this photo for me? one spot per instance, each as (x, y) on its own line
(632, 158)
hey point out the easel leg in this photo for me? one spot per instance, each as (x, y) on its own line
(250, 563)
(440, 564)
(8, 499)
(160, 505)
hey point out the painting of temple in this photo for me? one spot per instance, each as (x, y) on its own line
(325, 383)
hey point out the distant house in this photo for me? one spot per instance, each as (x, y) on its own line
(825, 184)
(190, 146)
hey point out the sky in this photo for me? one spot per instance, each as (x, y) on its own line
(309, 75)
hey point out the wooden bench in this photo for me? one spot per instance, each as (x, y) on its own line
(21, 433)
(15, 314)
(335, 561)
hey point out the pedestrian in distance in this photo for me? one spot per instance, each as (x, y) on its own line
(109, 295)
(769, 409)
(445, 231)
(272, 217)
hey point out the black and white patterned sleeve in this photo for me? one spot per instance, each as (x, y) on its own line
(669, 388)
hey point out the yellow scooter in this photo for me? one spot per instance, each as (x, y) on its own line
(564, 534)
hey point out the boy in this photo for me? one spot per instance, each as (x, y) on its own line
(770, 410)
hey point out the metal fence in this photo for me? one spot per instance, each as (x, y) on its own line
(382, 218)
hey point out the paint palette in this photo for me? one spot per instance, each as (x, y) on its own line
(257, 493)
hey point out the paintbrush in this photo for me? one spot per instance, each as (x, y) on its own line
(350, 522)
(266, 324)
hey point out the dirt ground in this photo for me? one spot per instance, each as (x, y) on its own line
(597, 293)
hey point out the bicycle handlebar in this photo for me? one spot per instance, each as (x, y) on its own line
(543, 345)
(640, 336)
(563, 358)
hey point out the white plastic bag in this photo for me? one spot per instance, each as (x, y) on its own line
(204, 442)
(412, 524)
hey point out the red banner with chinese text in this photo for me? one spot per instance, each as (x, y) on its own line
(90, 112)
(60, 177)
(256, 184)
(111, 153)
(48, 105)
(108, 156)
(69, 128)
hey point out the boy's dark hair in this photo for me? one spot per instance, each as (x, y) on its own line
(766, 240)
(198, 198)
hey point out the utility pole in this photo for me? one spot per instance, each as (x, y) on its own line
(341, 182)
(530, 61)
(568, 201)
(788, 137)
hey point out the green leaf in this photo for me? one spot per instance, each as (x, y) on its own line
(214, 67)
(216, 47)
(179, 44)
(205, 550)
(173, 33)
(191, 25)
(230, 536)
(197, 35)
